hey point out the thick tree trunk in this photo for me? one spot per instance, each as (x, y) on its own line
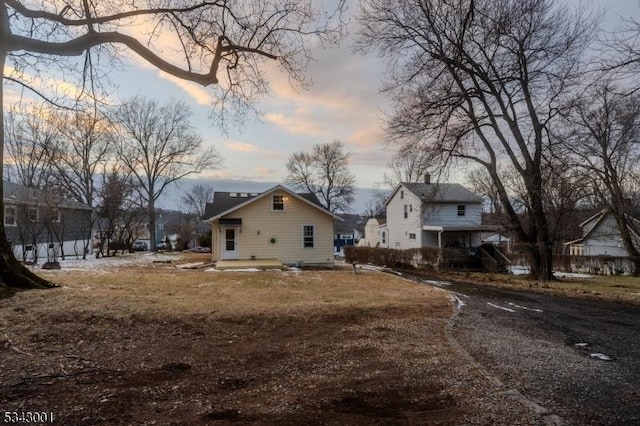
(13, 274)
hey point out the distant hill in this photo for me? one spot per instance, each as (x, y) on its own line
(171, 200)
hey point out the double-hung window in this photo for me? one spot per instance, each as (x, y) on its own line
(32, 213)
(277, 203)
(308, 236)
(10, 216)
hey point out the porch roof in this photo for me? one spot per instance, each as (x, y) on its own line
(448, 228)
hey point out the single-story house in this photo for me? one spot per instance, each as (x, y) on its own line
(601, 236)
(348, 231)
(293, 228)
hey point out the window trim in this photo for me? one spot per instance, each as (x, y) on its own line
(273, 203)
(56, 216)
(462, 210)
(304, 236)
(29, 216)
(15, 216)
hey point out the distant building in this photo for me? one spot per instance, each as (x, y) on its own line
(348, 231)
(41, 225)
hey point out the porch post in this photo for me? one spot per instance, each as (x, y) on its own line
(439, 249)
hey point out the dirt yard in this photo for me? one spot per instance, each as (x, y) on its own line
(148, 343)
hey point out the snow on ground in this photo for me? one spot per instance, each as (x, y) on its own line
(91, 263)
(523, 270)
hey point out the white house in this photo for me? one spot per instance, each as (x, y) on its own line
(276, 224)
(373, 233)
(433, 215)
(601, 236)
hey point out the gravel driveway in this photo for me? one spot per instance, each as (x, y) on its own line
(571, 361)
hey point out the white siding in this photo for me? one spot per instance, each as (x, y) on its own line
(446, 214)
(605, 239)
(400, 227)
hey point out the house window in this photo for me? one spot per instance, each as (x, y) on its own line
(10, 216)
(32, 214)
(412, 236)
(461, 210)
(55, 215)
(308, 235)
(406, 211)
(277, 203)
(402, 195)
(384, 237)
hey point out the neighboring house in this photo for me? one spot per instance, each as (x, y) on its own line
(433, 215)
(374, 234)
(601, 236)
(276, 224)
(348, 231)
(40, 225)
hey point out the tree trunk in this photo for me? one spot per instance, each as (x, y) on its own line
(13, 274)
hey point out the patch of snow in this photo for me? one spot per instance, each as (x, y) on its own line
(459, 303)
(520, 270)
(437, 283)
(600, 356)
(102, 263)
(524, 270)
(581, 345)
(571, 275)
(500, 307)
(525, 308)
(236, 270)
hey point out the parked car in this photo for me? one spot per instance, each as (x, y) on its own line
(140, 246)
(200, 249)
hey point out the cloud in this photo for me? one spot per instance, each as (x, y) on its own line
(242, 146)
(200, 94)
(296, 123)
(264, 171)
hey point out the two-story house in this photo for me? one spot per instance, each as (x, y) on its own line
(433, 215)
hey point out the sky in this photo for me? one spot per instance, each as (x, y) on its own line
(344, 102)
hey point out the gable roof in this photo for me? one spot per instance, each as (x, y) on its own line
(228, 202)
(590, 225)
(438, 192)
(350, 222)
(14, 194)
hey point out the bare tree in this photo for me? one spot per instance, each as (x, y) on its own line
(482, 81)
(605, 143)
(221, 43)
(79, 153)
(158, 146)
(196, 200)
(410, 163)
(28, 137)
(324, 172)
(375, 206)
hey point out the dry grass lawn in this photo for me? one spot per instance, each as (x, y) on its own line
(148, 343)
